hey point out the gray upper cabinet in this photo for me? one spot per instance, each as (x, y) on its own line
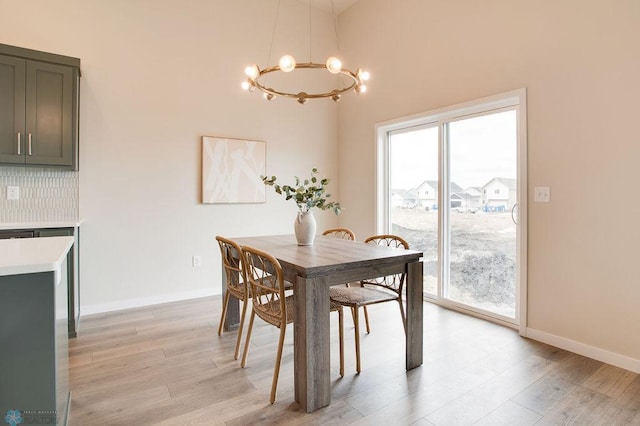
(12, 101)
(39, 97)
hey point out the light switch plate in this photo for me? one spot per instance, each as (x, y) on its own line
(542, 194)
(13, 192)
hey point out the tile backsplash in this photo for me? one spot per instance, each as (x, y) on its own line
(45, 195)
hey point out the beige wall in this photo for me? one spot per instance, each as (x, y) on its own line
(156, 76)
(580, 62)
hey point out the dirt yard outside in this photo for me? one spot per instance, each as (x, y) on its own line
(482, 256)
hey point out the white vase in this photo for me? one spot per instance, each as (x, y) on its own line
(305, 228)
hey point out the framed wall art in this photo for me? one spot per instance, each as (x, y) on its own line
(231, 170)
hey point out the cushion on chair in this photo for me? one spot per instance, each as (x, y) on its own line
(270, 311)
(334, 306)
(359, 296)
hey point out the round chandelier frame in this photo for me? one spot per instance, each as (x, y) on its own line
(356, 83)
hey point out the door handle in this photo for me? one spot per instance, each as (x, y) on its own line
(29, 152)
(19, 153)
(513, 213)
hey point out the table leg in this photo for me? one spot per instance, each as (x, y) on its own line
(414, 315)
(232, 319)
(311, 343)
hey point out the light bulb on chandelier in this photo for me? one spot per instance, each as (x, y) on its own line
(287, 63)
(334, 65)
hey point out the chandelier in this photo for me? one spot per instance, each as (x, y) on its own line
(350, 81)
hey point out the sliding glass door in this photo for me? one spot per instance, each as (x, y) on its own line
(482, 224)
(452, 189)
(413, 194)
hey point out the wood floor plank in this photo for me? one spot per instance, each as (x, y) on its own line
(582, 406)
(93, 320)
(479, 402)
(165, 364)
(81, 359)
(88, 408)
(625, 410)
(221, 412)
(545, 393)
(610, 380)
(425, 401)
(220, 383)
(577, 368)
(113, 367)
(509, 414)
(422, 422)
(142, 344)
(139, 375)
(101, 338)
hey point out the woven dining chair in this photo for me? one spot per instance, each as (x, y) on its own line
(342, 233)
(236, 284)
(270, 303)
(347, 234)
(373, 291)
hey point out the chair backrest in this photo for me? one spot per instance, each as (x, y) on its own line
(266, 279)
(231, 262)
(392, 282)
(343, 233)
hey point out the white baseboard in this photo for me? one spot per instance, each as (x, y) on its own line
(612, 358)
(144, 301)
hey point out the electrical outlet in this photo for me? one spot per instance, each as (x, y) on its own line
(13, 192)
(196, 261)
(542, 194)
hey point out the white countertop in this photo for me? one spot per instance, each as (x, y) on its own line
(31, 255)
(40, 225)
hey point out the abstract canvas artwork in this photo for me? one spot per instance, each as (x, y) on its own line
(231, 170)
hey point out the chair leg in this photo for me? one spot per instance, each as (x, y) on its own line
(366, 319)
(404, 317)
(357, 332)
(246, 342)
(276, 370)
(225, 303)
(341, 334)
(239, 339)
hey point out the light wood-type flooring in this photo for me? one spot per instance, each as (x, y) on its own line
(165, 364)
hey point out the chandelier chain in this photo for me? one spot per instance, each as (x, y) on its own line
(273, 33)
(310, 34)
(334, 19)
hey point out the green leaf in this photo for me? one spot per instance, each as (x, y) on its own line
(307, 193)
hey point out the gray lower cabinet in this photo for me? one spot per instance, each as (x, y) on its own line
(34, 372)
(39, 95)
(72, 275)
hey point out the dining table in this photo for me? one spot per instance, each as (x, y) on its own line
(312, 269)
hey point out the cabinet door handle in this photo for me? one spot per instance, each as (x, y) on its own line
(29, 152)
(19, 153)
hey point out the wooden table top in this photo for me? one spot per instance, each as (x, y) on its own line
(327, 254)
